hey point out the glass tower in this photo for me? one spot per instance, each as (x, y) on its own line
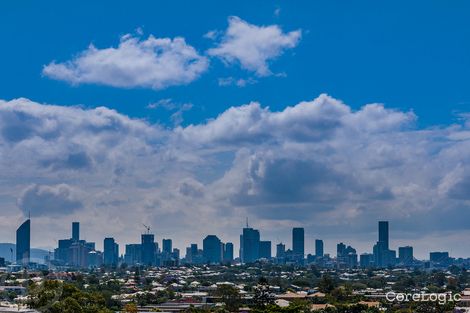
(23, 243)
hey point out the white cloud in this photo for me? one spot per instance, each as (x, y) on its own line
(152, 63)
(240, 82)
(319, 163)
(253, 47)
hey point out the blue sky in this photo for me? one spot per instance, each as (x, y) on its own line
(408, 55)
(329, 115)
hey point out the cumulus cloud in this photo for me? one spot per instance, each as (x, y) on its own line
(151, 63)
(51, 201)
(252, 46)
(320, 164)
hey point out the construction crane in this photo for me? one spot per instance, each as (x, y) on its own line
(147, 228)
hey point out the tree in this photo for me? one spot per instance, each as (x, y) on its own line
(130, 308)
(230, 296)
(326, 284)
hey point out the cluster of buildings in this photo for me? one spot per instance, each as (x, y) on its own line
(77, 253)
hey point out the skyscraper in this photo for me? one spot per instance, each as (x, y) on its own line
(75, 231)
(148, 249)
(249, 245)
(298, 242)
(133, 254)
(228, 252)
(265, 249)
(167, 246)
(405, 255)
(212, 249)
(383, 234)
(280, 250)
(111, 252)
(383, 256)
(23, 243)
(340, 250)
(319, 248)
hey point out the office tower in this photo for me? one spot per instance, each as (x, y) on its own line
(111, 252)
(228, 252)
(75, 231)
(250, 245)
(366, 260)
(383, 256)
(340, 250)
(298, 242)
(2, 262)
(280, 250)
(383, 234)
(149, 249)
(77, 255)
(95, 259)
(319, 248)
(405, 255)
(133, 254)
(351, 260)
(439, 258)
(265, 249)
(212, 249)
(176, 254)
(167, 246)
(194, 249)
(23, 243)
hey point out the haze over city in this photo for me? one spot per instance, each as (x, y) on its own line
(192, 122)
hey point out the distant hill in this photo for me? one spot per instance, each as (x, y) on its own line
(37, 255)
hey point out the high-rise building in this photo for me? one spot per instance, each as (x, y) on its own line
(149, 249)
(23, 243)
(298, 242)
(176, 254)
(133, 254)
(405, 255)
(340, 250)
(383, 234)
(75, 231)
(280, 250)
(439, 258)
(319, 248)
(383, 256)
(265, 250)
(212, 249)
(366, 260)
(167, 246)
(249, 245)
(111, 252)
(228, 252)
(194, 249)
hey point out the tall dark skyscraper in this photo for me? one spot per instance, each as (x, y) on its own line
(75, 231)
(265, 249)
(167, 246)
(23, 243)
(148, 249)
(280, 250)
(319, 248)
(228, 252)
(212, 249)
(298, 242)
(111, 252)
(249, 245)
(383, 234)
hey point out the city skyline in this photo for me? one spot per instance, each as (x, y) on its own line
(316, 115)
(383, 255)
